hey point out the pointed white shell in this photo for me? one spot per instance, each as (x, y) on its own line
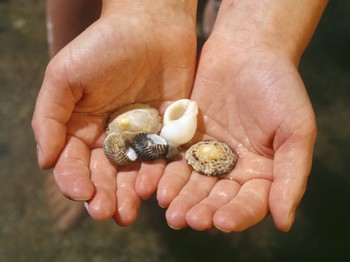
(134, 119)
(180, 122)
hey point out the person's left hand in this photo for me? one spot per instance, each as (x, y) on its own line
(254, 100)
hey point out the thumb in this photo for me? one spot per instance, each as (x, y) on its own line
(53, 109)
(292, 165)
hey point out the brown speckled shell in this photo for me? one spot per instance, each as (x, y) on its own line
(220, 163)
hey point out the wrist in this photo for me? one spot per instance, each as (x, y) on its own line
(170, 10)
(284, 27)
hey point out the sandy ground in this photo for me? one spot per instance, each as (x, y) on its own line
(26, 231)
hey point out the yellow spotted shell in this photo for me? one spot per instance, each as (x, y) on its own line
(211, 158)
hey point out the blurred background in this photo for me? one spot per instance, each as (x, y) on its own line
(321, 230)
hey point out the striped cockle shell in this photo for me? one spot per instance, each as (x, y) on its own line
(117, 150)
(149, 146)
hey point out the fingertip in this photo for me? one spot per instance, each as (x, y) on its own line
(164, 197)
(171, 183)
(283, 203)
(79, 190)
(176, 216)
(199, 218)
(127, 212)
(147, 181)
(224, 222)
(174, 222)
(101, 207)
(143, 191)
(127, 206)
(41, 162)
(45, 161)
(285, 223)
(75, 186)
(148, 178)
(41, 157)
(49, 145)
(291, 220)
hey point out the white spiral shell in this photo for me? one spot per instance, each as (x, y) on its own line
(180, 122)
(133, 132)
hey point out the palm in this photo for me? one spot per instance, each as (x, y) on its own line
(111, 64)
(256, 104)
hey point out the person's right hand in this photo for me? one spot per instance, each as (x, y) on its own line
(255, 101)
(136, 52)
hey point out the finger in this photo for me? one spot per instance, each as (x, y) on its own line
(148, 178)
(176, 175)
(248, 208)
(128, 201)
(292, 168)
(103, 176)
(53, 108)
(72, 173)
(200, 217)
(196, 189)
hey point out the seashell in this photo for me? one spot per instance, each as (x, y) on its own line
(134, 119)
(117, 150)
(180, 122)
(172, 153)
(211, 158)
(149, 146)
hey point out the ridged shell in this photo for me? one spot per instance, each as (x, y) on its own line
(211, 158)
(133, 119)
(149, 146)
(117, 150)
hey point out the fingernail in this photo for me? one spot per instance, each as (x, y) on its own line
(174, 228)
(38, 153)
(161, 206)
(86, 205)
(79, 199)
(291, 219)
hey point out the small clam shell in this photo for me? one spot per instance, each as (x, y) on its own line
(117, 150)
(149, 146)
(211, 158)
(134, 119)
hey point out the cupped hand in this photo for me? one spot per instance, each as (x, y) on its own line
(254, 100)
(133, 53)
